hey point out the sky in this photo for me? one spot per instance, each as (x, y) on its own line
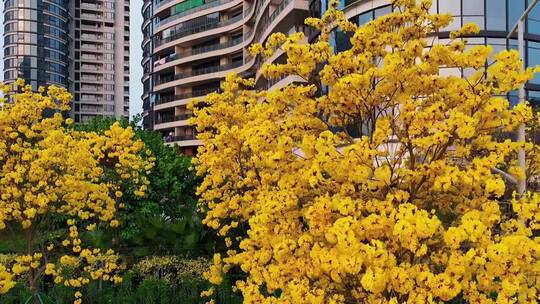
(135, 58)
(135, 68)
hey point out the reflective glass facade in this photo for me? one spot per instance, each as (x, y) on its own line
(36, 43)
(495, 19)
(82, 45)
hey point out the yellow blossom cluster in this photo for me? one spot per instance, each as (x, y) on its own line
(48, 168)
(382, 178)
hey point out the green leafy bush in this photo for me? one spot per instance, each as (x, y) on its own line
(131, 291)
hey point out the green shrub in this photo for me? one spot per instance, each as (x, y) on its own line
(131, 291)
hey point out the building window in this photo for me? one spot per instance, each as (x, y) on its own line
(534, 59)
(452, 7)
(515, 10)
(365, 18)
(534, 20)
(473, 11)
(381, 11)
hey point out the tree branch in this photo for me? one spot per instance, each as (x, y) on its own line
(506, 176)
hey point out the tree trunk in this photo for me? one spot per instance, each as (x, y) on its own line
(32, 276)
(33, 286)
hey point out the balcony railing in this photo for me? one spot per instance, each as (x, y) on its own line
(266, 19)
(207, 5)
(89, 36)
(197, 29)
(90, 5)
(86, 57)
(90, 27)
(91, 16)
(166, 119)
(198, 93)
(90, 109)
(278, 10)
(90, 89)
(161, 3)
(90, 68)
(90, 47)
(180, 138)
(199, 50)
(90, 79)
(209, 48)
(91, 99)
(197, 72)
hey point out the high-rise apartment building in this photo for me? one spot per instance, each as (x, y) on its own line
(82, 45)
(494, 17)
(190, 46)
(36, 42)
(101, 58)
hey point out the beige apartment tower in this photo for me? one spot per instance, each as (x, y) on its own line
(190, 46)
(100, 53)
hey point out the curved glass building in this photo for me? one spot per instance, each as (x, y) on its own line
(189, 46)
(494, 17)
(36, 42)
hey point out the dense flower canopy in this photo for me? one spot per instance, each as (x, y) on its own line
(415, 207)
(48, 170)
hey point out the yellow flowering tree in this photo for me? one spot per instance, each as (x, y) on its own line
(48, 170)
(381, 177)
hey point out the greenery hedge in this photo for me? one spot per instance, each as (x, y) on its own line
(131, 291)
(152, 280)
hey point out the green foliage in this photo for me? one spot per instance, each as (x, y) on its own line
(12, 241)
(165, 220)
(131, 291)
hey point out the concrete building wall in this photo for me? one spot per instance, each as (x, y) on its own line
(190, 46)
(101, 59)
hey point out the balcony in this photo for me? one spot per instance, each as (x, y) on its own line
(278, 10)
(90, 109)
(196, 29)
(91, 16)
(91, 99)
(207, 70)
(170, 139)
(167, 119)
(207, 5)
(90, 57)
(93, 47)
(198, 93)
(91, 27)
(90, 78)
(161, 3)
(199, 50)
(265, 20)
(90, 88)
(90, 36)
(90, 67)
(91, 6)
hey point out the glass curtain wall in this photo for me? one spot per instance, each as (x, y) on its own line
(495, 19)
